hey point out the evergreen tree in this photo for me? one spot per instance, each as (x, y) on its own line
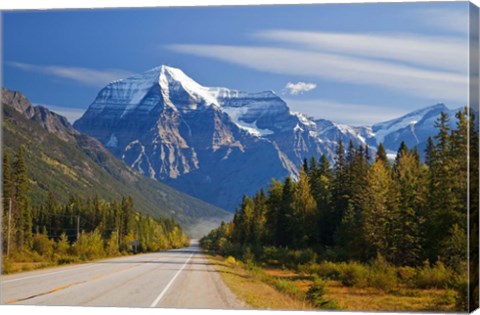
(409, 222)
(259, 220)
(322, 192)
(274, 211)
(441, 198)
(402, 150)
(285, 226)
(341, 197)
(379, 207)
(430, 152)
(304, 209)
(382, 155)
(127, 214)
(313, 170)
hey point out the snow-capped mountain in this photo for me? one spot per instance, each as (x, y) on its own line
(414, 128)
(212, 143)
(218, 144)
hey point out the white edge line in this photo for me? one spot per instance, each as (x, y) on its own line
(45, 274)
(160, 296)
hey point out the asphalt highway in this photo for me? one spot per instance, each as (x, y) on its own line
(181, 278)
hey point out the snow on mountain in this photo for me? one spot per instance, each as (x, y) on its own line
(381, 130)
(413, 128)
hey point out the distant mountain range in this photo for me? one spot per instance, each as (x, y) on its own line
(65, 161)
(218, 144)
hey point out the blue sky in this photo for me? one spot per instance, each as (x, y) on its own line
(351, 63)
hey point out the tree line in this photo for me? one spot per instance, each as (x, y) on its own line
(111, 227)
(406, 210)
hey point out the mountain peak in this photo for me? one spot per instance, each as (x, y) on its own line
(174, 82)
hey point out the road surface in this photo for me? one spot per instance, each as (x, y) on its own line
(181, 278)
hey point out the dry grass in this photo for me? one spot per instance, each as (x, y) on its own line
(27, 266)
(370, 299)
(259, 292)
(250, 289)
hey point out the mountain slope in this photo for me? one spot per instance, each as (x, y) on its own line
(65, 161)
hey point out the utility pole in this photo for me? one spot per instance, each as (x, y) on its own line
(78, 227)
(9, 221)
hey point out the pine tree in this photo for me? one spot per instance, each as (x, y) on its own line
(313, 170)
(247, 209)
(285, 228)
(350, 233)
(305, 165)
(442, 200)
(407, 231)
(402, 150)
(274, 204)
(379, 207)
(127, 211)
(305, 216)
(341, 197)
(382, 155)
(430, 152)
(259, 219)
(322, 192)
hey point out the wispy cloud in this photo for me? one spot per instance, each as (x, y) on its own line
(419, 81)
(299, 87)
(86, 76)
(453, 20)
(345, 113)
(448, 53)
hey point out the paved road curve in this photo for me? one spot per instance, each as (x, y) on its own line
(181, 278)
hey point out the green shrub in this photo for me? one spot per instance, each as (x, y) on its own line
(111, 247)
(382, 275)
(437, 276)
(63, 246)
(306, 256)
(329, 270)
(89, 246)
(407, 275)
(353, 274)
(270, 254)
(315, 295)
(231, 261)
(308, 269)
(248, 256)
(6, 265)
(43, 246)
(289, 288)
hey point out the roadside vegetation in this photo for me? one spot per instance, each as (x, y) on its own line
(392, 232)
(52, 233)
